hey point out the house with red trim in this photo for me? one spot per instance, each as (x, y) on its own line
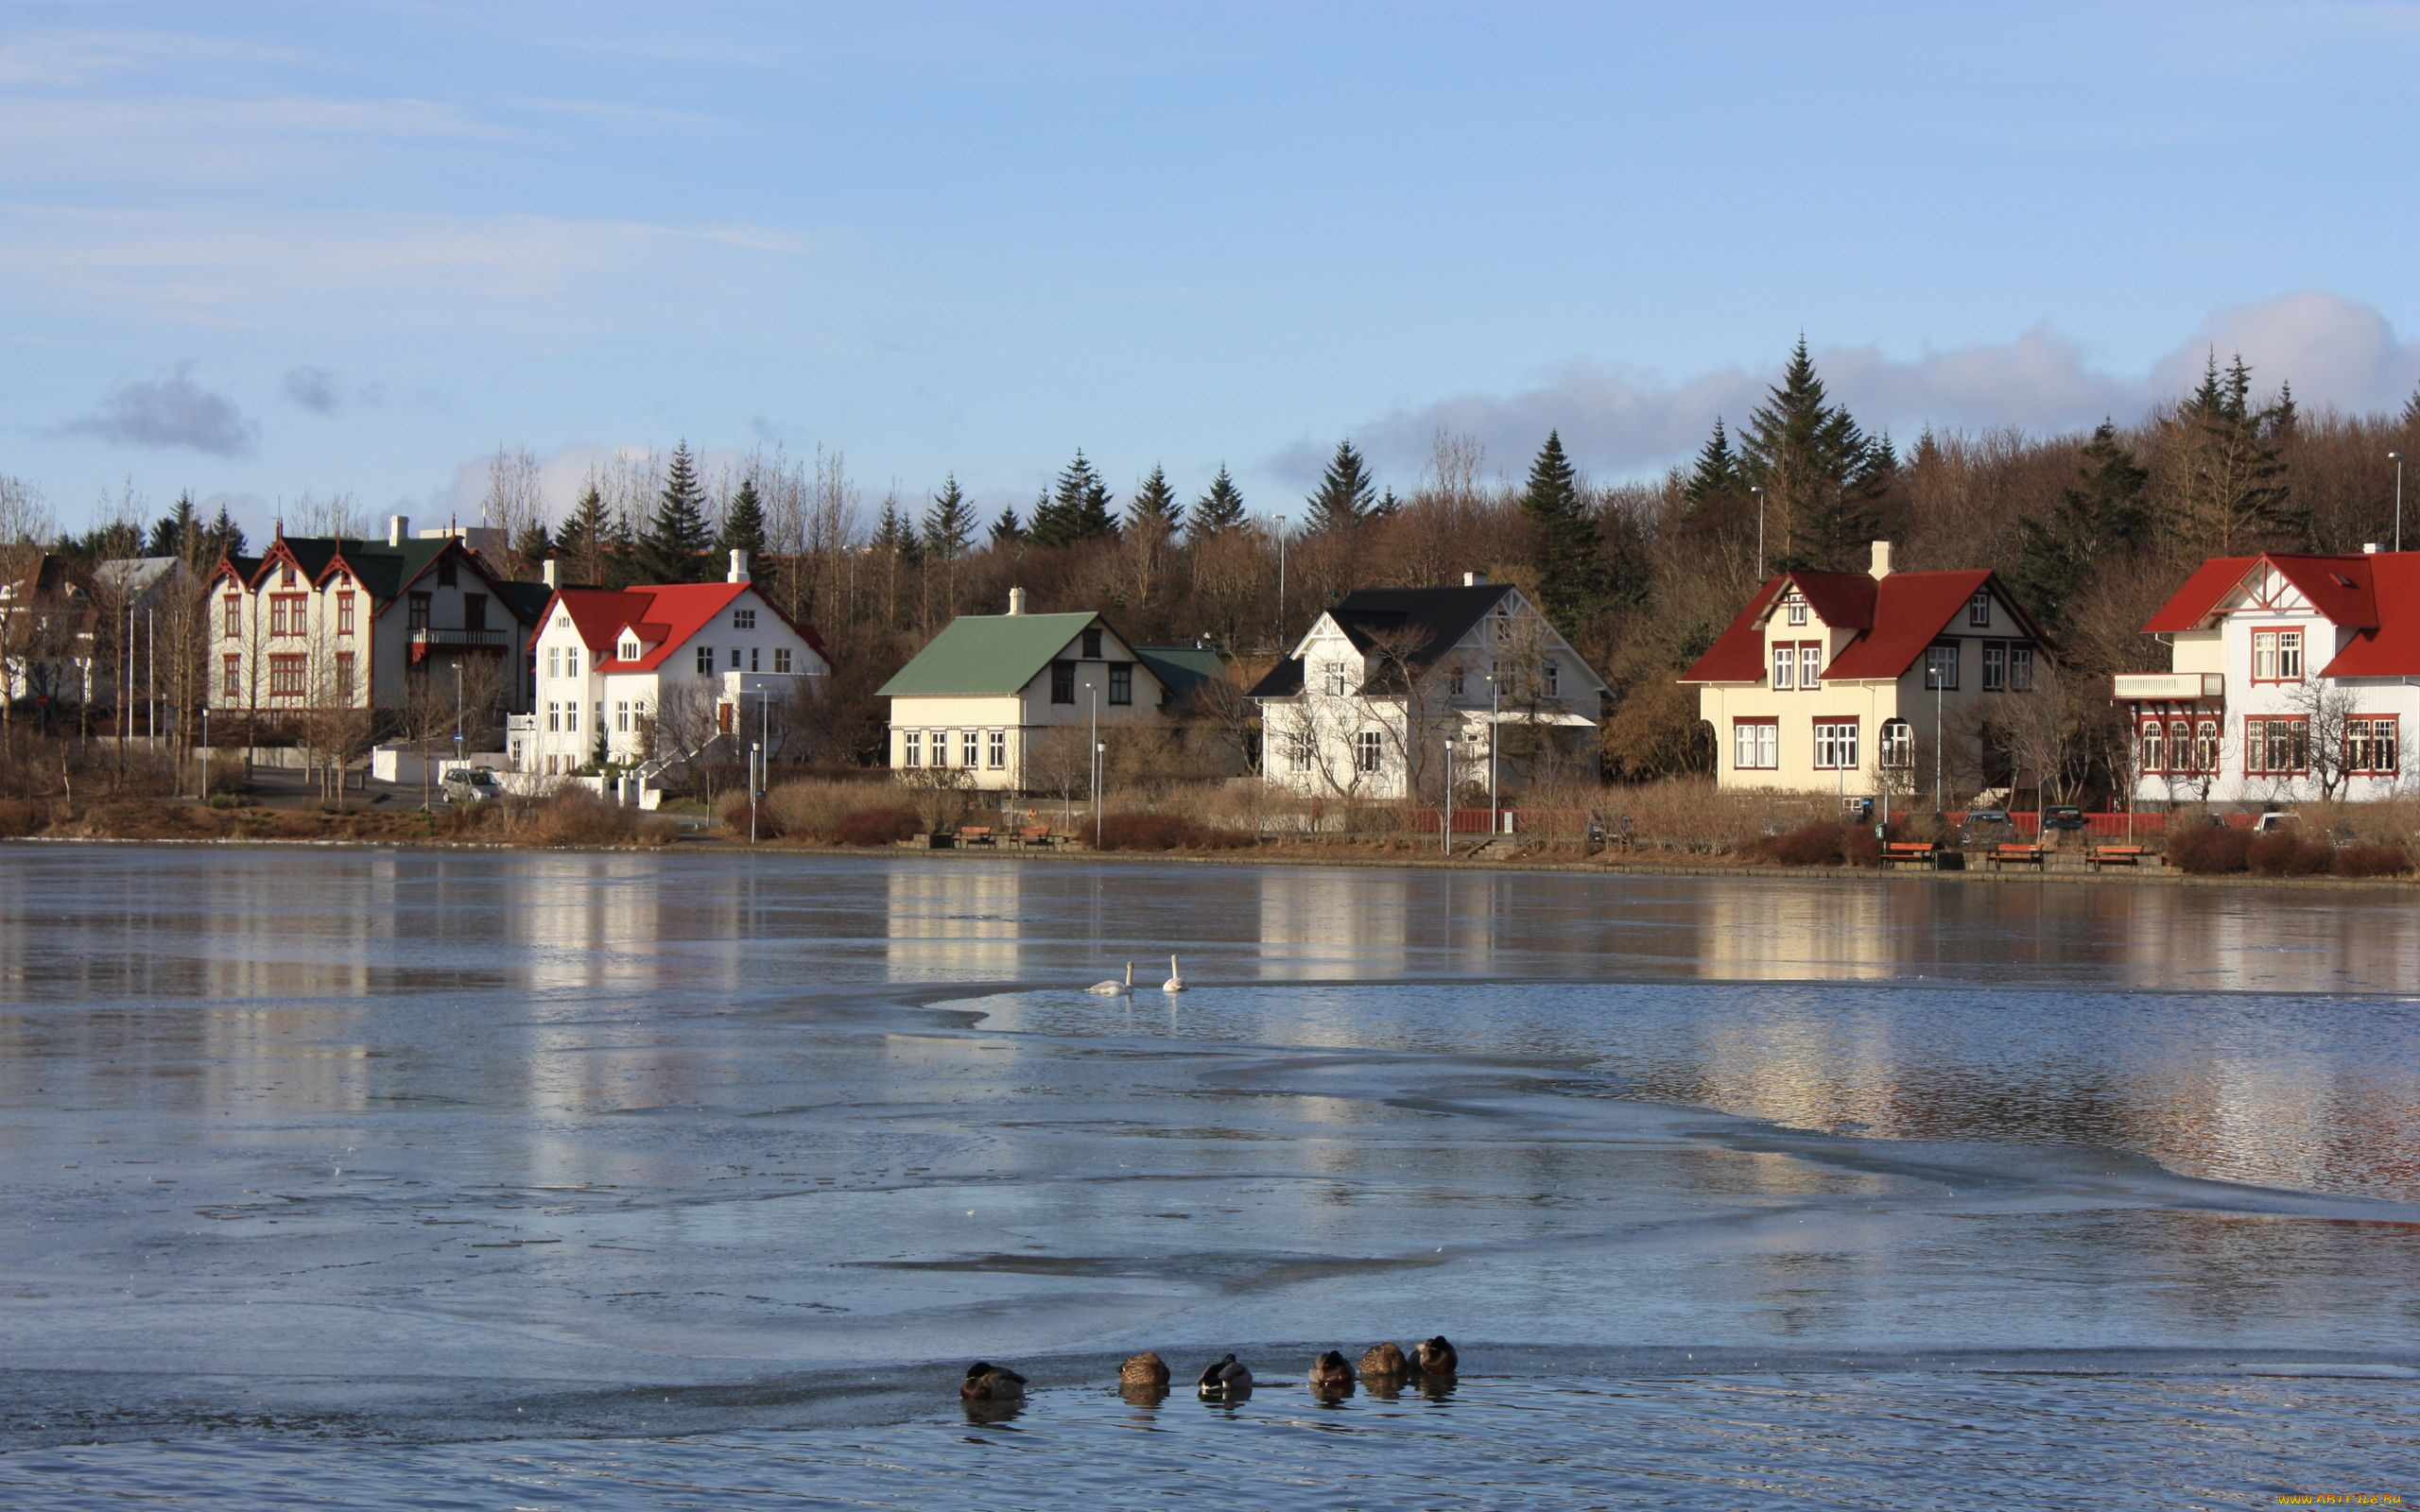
(656, 673)
(2291, 678)
(321, 622)
(1863, 683)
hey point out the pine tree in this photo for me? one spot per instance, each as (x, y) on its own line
(1716, 475)
(2105, 515)
(1220, 508)
(2230, 492)
(894, 536)
(2411, 410)
(623, 558)
(743, 523)
(527, 550)
(178, 533)
(1008, 530)
(1077, 508)
(225, 535)
(1345, 493)
(1570, 568)
(1823, 479)
(585, 541)
(949, 523)
(1155, 512)
(678, 539)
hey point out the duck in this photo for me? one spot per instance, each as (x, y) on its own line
(1111, 989)
(1384, 1361)
(1226, 1378)
(1434, 1356)
(1331, 1376)
(986, 1382)
(1176, 979)
(1146, 1369)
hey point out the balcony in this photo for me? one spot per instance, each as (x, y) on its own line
(426, 638)
(2169, 687)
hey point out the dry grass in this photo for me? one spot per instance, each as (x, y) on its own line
(820, 808)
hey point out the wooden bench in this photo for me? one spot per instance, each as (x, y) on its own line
(1034, 834)
(973, 834)
(2113, 855)
(1906, 852)
(2015, 853)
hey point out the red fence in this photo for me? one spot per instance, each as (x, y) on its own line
(2099, 825)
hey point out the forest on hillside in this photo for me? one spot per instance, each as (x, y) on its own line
(2092, 531)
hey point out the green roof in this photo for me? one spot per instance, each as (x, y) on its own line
(1181, 669)
(982, 654)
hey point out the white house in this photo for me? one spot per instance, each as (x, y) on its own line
(659, 672)
(1372, 691)
(1007, 702)
(2291, 678)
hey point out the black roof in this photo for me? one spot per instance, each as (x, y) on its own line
(1419, 624)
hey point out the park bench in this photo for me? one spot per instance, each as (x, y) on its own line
(1034, 834)
(1906, 852)
(2015, 853)
(2113, 855)
(974, 835)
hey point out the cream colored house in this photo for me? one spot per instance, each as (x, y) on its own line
(658, 673)
(1860, 683)
(1378, 684)
(1007, 702)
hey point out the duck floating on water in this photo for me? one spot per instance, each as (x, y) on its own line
(1331, 1376)
(1227, 1378)
(986, 1382)
(1384, 1361)
(1434, 1356)
(1147, 1371)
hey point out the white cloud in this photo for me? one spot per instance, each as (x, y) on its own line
(169, 412)
(1621, 422)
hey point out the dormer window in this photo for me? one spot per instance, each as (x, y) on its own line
(1336, 675)
(628, 649)
(1795, 609)
(1979, 611)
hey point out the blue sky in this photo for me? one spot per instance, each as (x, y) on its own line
(259, 249)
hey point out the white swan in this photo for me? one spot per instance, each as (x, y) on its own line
(1111, 989)
(1175, 982)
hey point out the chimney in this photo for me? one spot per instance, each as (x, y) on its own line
(549, 575)
(2369, 548)
(397, 528)
(739, 566)
(1016, 600)
(1474, 579)
(1881, 567)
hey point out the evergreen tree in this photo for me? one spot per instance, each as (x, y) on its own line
(743, 523)
(1008, 530)
(178, 533)
(1155, 512)
(2105, 514)
(1345, 493)
(585, 541)
(2411, 410)
(1387, 505)
(949, 523)
(894, 536)
(1716, 475)
(1823, 479)
(1570, 568)
(1077, 508)
(677, 540)
(531, 548)
(224, 536)
(623, 556)
(2231, 492)
(1220, 508)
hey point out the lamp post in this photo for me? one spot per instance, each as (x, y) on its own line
(1445, 811)
(1759, 492)
(205, 753)
(757, 757)
(1495, 709)
(1092, 697)
(1281, 574)
(2396, 457)
(1937, 680)
(458, 711)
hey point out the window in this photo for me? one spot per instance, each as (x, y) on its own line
(2277, 656)
(554, 661)
(743, 619)
(1092, 646)
(735, 658)
(1298, 751)
(1454, 683)
(285, 674)
(288, 613)
(1062, 682)
(780, 658)
(1554, 677)
(1941, 666)
(1836, 745)
(474, 611)
(1979, 611)
(1810, 666)
(911, 748)
(1756, 745)
(2020, 669)
(285, 575)
(1898, 745)
(2371, 744)
(344, 675)
(344, 613)
(940, 747)
(1795, 609)
(234, 623)
(448, 573)
(230, 677)
(622, 716)
(1367, 752)
(1995, 667)
(2206, 745)
(554, 717)
(999, 749)
(1784, 668)
(970, 748)
(1121, 682)
(571, 662)
(416, 612)
(1338, 675)
(2154, 747)
(753, 655)
(571, 718)
(2179, 744)
(2277, 746)
(706, 661)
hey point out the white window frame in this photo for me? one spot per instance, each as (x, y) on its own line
(743, 619)
(1836, 745)
(1942, 658)
(1554, 677)
(2020, 669)
(911, 748)
(1784, 668)
(970, 748)
(781, 660)
(1898, 745)
(1810, 666)
(1995, 667)
(1756, 745)
(1795, 609)
(554, 661)
(1979, 610)
(999, 740)
(1368, 752)
(705, 661)
(1337, 677)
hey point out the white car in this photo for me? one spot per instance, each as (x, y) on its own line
(469, 784)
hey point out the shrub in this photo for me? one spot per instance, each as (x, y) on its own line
(24, 816)
(884, 826)
(1820, 844)
(2204, 852)
(581, 818)
(2371, 859)
(2285, 854)
(813, 808)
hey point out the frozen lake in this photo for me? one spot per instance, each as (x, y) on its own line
(474, 1179)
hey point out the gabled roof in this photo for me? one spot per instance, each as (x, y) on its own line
(2341, 587)
(666, 616)
(2389, 647)
(1182, 670)
(1416, 626)
(987, 654)
(1894, 618)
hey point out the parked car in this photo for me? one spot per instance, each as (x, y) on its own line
(2063, 817)
(2275, 819)
(470, 784)
(1986, 827)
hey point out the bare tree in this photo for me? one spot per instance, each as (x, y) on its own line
(513, 504)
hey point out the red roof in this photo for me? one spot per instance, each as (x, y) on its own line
(1896, 617)
(666, 616)
(2375, 594)
(2187, 607)
(2389, 645)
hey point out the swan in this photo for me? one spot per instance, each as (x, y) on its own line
(1176, 980)
(1111, 989)
(986, 1382)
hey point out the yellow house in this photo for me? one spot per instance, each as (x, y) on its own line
(1859, 684)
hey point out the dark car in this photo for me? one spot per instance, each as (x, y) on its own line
(1986, 827)
(2064, 817)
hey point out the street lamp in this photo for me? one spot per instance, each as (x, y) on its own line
(1092, 697)
(2396, 457)
(1281, 574)
(1495, 708)
(205, 749)
(1759, 492)
(1445, 811)
(458, 711)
